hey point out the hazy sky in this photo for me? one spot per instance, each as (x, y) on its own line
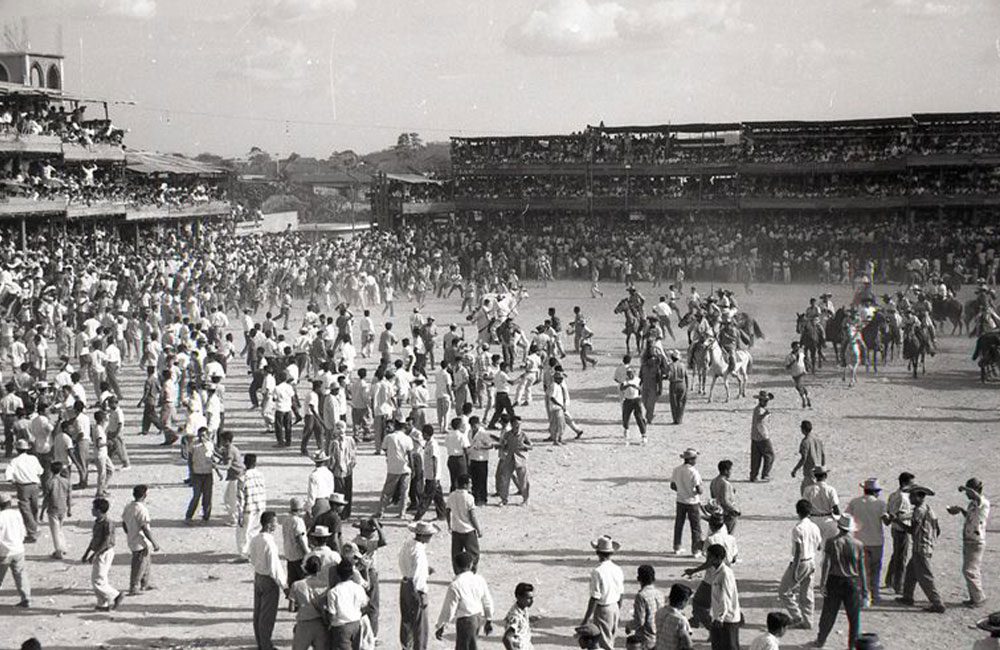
(224, 75)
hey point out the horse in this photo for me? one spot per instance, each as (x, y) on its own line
(987, 352)
(949, 309)
(835, 332)
(915, 347)
(892, 337)
(811, 337)
(719, 367)
(851, 356)
(874, 333)
(699, 365)
(633, 325)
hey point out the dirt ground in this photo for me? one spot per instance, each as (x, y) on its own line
(942, 427)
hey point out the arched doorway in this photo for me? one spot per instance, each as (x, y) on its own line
(4, 74)
(37, 77)
(54, 78)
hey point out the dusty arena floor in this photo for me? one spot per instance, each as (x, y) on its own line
(943, 427)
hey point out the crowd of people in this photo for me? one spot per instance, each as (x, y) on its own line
(29, 115)
(184, 307)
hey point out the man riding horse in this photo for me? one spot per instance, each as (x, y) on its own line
(731, 338)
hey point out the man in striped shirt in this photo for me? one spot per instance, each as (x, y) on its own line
(251, 503)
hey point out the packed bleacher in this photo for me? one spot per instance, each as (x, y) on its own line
(30, 115)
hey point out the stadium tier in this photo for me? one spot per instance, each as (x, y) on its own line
(936, 162)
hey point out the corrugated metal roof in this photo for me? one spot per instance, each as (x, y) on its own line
(147, 162)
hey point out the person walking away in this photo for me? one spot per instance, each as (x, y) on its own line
(811, 455)
(433, 466)
(414, 571)
(269, 579)
(57, 504)
(101, 554)
(976, 514)
(468, 603)
(673, 630)
(678, 384)
(295, 540)
(12, 537)
(842, 566)
(825, 503)
(457, 444)
(869, 514)
(796, 588)
(641, 630)
(463, 523)
(136, 522)
(607, 587)
(251, 503)
(900, 512)
(686, 482)
(346, 604)
(479, 461)
(397, 447)
(344, 458)
(25, 472)
(761, 450)
(231, 460)
(309, 632)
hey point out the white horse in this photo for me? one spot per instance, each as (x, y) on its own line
(718, 365)
(852, 356)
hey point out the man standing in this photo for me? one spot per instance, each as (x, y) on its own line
(200, 462)
(869, 514)
(900, 511)
(976, 514)
(251, 503)
(811, 455)
(284, 400)
(397, 446)
(136, 523)
(414, 571)
(101, 554)
(12, 536)
(463, 524)
(344, 457)
(825, 503)
(761, 450)
(607, 586)
(57, 504)
(468, 603)
(721, 490)
(514, 447)
(320, 484)
(726, 615)
(231, 460)
(796, 589)
(686, 482)
(25, 472)
(795, 364)
(632, 405)
(677, 376)
(924, 529)
(269, 580)
(841, 575)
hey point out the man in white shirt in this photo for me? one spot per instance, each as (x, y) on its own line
(825, 503)
(321, 483)
(414, 571)
(796, 588)
(345, 603)
(269, 580)
(25, 472)
(112, 363)
(607, 586)
(869, 514)
(136, 523)
(397, 447)
(976, 515)
(284, 399)
(686, 482)
(726, 615)
(468, 603)
(463, 523)
(12, 537)
(444, 394)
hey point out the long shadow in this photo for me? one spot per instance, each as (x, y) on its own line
(921, 418)
(622, 481)
(175, 642)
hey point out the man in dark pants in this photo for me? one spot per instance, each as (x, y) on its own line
(463, 524)
(686, 482)
(414, 571)
(924, 530)
(503, 405)
(150, 396)
(25, 472)
(900, 509)
(202, 483)
(433, 475)
(269, 580)
(842, 576)
(677, 378)
(761, 451)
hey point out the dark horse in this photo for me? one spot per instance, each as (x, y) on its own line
(746, 322)
(915, 347)
(835, 332)
(987, 353)
(947, 309)
(812, 340)
(633, 325)
(875, 334)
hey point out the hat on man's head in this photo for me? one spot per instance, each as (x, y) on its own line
(820, 470)
(424, 528)
(337, 499)
(845, 522)
(919, 489)
(320, 457)
(604, 544)
(320, 532)
(689, 453)
(22, 445)
(871, 485)
(764, 395)
(296, 504)
(675, 355)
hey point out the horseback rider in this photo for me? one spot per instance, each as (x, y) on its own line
(922, 310)
(986, 313)
(865, 292)
(813, 312)
(712, 310)
(826, 304)
(730, 338)
(698, 331)
(636, 303)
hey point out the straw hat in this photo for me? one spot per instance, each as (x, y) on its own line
(424, 528)
(604, 544)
